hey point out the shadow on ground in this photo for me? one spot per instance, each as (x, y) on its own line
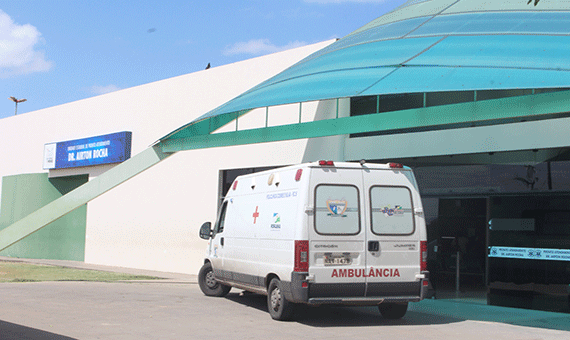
(482, 312)
(10, 331)
(335, 316)
(426, 312)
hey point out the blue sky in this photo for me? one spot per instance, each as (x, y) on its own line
(56, 52)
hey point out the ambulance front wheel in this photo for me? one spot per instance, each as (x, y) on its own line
(279, 307)
(393, 310)
(208, 283)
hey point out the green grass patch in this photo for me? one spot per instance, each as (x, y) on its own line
(25, 272)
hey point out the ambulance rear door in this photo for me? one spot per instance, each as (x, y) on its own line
(337, 234)
(393, 240)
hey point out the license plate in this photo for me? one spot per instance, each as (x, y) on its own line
(332, 260)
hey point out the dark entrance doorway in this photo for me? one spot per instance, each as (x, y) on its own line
(459, 231)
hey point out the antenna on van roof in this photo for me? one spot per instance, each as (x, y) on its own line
(362, 162)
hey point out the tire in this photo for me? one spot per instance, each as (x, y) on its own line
(279, 307)
(208, 283)
(393, 310)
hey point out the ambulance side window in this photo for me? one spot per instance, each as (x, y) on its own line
(392, 212)
(337, 209)
(219, 227)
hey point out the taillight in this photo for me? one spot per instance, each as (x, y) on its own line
(301, 256)
(396, 165)
(326, 163)
(423, 256)
(298, 175)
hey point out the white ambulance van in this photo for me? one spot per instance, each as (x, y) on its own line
(321, 233)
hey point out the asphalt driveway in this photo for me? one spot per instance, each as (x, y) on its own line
(163, 310)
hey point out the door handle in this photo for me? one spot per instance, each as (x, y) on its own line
(222, 241)
(373, 246)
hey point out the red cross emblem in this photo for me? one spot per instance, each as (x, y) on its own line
(255, 215)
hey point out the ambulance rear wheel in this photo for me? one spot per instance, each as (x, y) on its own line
(279, 307)
(393, 310)
(208, 283)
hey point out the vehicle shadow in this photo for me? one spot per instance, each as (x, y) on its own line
(10, 331)
(335, 316)
(427, 312)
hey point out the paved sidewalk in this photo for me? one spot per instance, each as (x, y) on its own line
(166, 276)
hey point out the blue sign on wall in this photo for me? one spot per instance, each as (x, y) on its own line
(530, 253)
(112, 148)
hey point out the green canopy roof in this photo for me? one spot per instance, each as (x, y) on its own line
(426, 46)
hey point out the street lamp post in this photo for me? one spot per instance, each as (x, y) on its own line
(15, 100)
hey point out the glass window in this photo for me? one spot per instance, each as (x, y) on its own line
(449, 97)
(219, 228)
(547, 90)
(496, 94)
(337, 210)
(363, 105)
(560, 175)
(397, 102)
(490, 178)
(392, 211)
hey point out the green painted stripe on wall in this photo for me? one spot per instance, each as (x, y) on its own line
(63, 239)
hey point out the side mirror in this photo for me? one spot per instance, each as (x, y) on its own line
(206, 230)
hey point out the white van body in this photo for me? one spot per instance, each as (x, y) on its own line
(328, 233)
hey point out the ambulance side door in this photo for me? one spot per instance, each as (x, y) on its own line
(217, 252)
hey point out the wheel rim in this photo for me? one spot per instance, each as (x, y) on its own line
(275, 299)
(210, 280)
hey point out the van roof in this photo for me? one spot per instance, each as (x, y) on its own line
(346, 165)
(256, 176)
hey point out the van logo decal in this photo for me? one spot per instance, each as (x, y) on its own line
(255, 215)
(337, 207)
(326, 246)
(276, 225)
(396, 211)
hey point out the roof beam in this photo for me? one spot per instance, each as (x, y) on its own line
(496, 109)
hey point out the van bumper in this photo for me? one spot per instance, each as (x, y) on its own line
(425, 285)
(353, 294)
(297, 293)
(361, 301)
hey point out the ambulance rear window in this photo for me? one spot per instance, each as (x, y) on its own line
(336, 210)
(391, 211)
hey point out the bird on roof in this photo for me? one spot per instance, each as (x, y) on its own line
(535, 2)
(207, 67)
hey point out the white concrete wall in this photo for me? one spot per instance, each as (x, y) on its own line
(149, 111)
(152, 220)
